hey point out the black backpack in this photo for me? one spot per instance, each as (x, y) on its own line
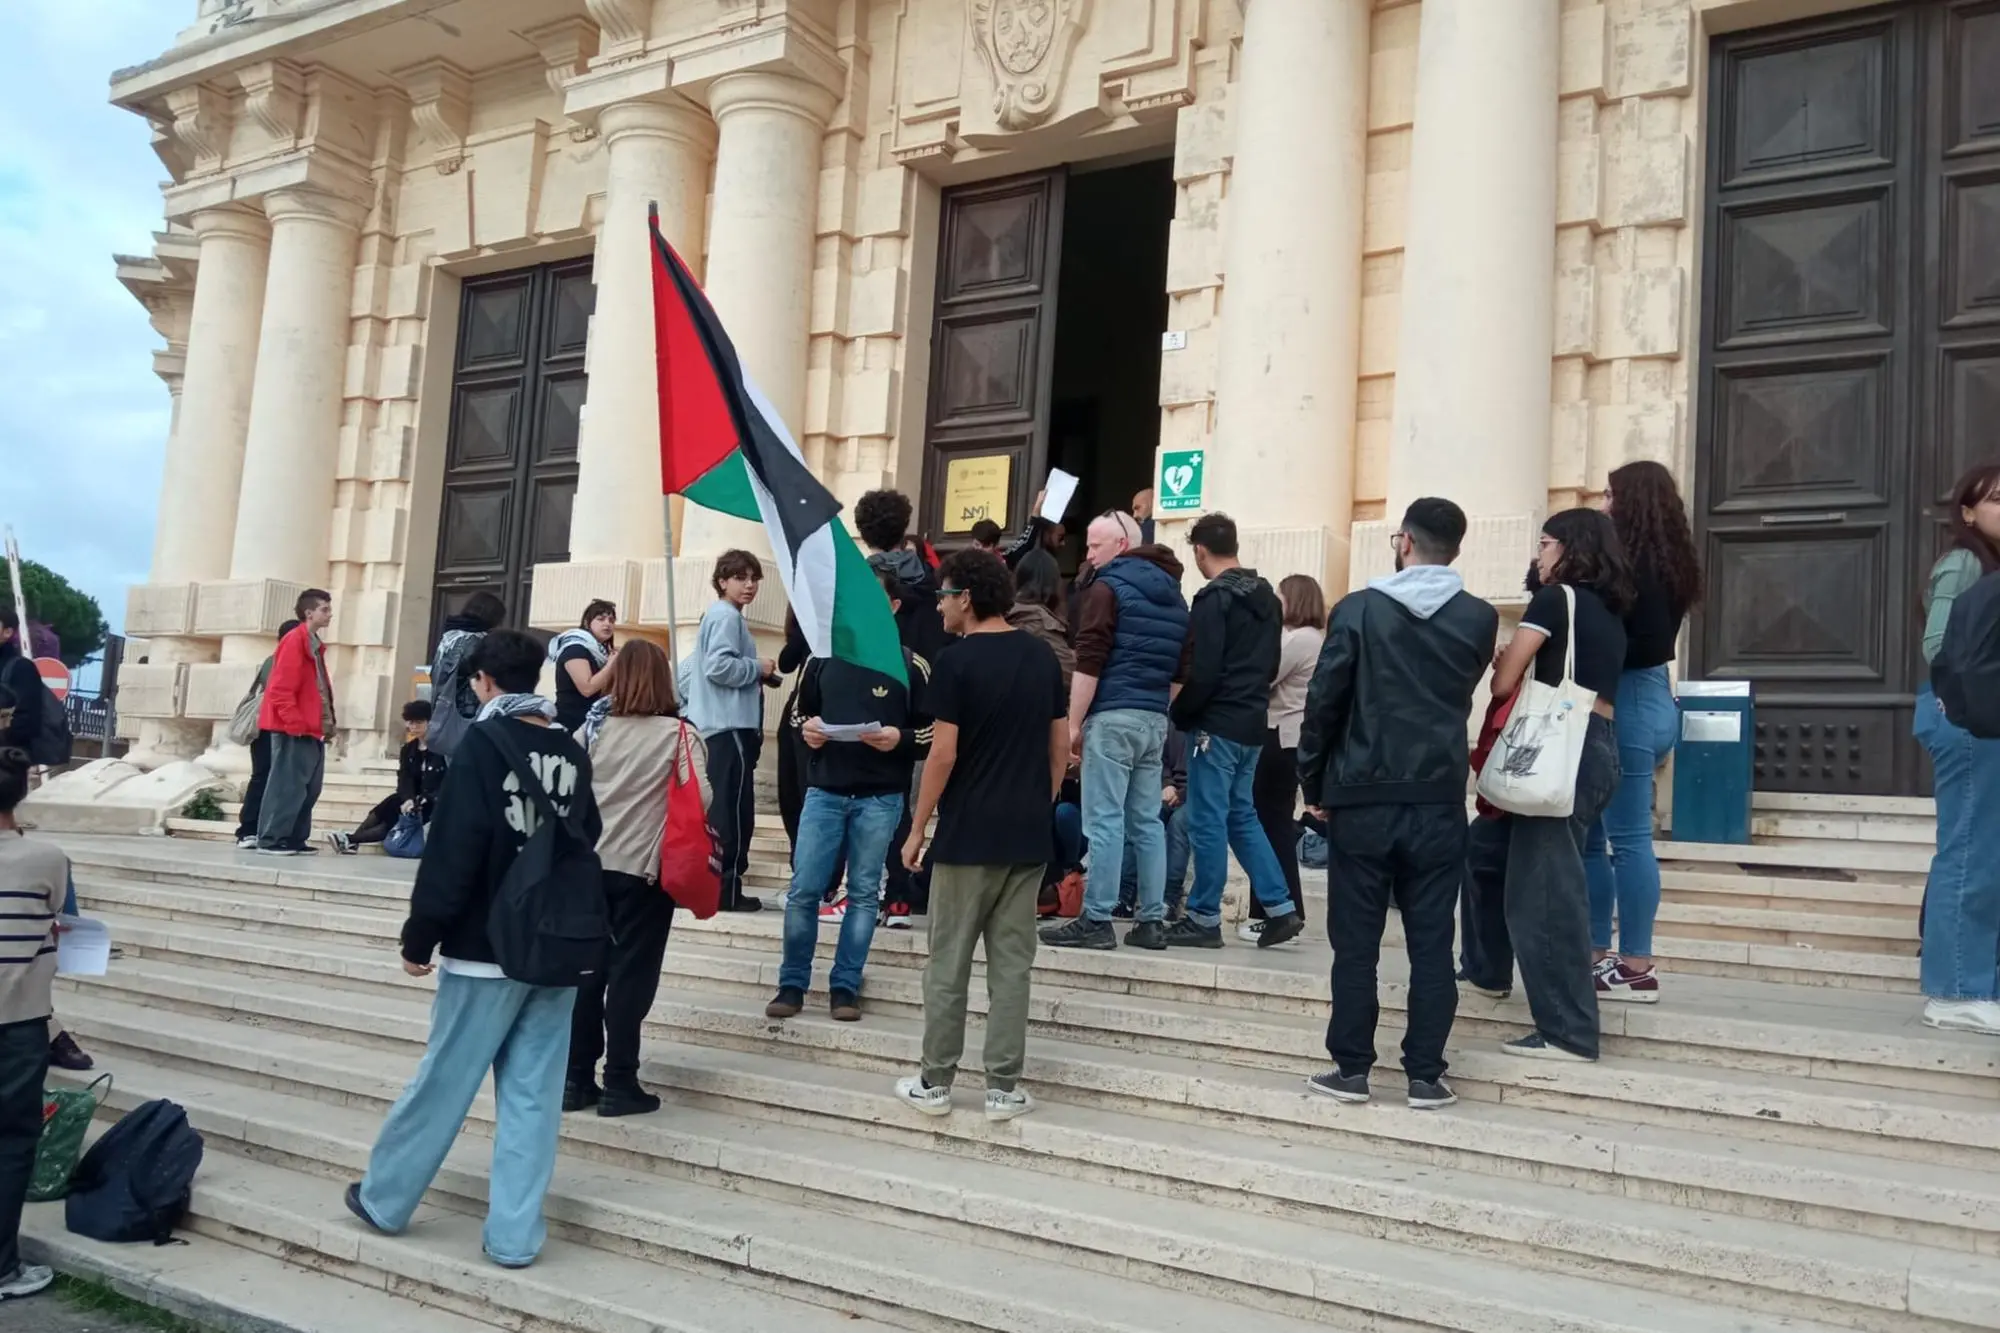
(135, 1182)
(549, 922)
(453, 704)
(1966, 674)
(50, 744)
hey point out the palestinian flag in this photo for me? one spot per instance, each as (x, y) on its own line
(723, 446)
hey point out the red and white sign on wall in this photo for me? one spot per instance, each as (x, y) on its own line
(55, 675)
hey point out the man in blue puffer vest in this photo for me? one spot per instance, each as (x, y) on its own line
(1131, 656)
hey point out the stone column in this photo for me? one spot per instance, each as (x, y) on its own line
(760, 256)
(1473, 369)
(285, 507)
(284, 510)
(658, 152)
(204, 455)
(204, 462)
(1291, 327)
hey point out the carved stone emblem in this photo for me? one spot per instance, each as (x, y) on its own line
(1026, 45)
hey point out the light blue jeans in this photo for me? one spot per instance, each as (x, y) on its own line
(1122, 751)
(831, 825)
(521, 1033)
(1618, 860)
(1962, 895)
(1174, 820)
(1222, 816)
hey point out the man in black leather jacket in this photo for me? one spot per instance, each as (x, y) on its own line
(1383, 754)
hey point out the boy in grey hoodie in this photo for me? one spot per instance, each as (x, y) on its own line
(723, 682)
(1383, 755)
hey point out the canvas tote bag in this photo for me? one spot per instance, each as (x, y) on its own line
(1532, 770)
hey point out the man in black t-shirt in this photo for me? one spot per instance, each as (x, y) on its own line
(999, 747)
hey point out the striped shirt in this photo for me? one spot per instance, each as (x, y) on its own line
(34, 876)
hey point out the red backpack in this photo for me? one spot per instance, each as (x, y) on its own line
(690, 863)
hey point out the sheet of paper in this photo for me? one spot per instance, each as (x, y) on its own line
(84, 947)
(849, 731)
(1061, 490)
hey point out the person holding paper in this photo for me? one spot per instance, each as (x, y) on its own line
(865, 732)
(34, 877)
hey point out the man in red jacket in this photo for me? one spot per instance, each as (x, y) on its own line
(298, 713)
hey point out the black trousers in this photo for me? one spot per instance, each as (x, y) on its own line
(24, 1067)
(1413, 855)
(1548, 901)
(253, 795)
(610, 1012)
(732, 810)
(1486, 953)
(380, 820)
(1275, 793)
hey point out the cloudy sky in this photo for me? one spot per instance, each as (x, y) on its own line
(83, 419)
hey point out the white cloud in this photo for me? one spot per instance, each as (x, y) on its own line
(83, 419)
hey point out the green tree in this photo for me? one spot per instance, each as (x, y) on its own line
(74, 615)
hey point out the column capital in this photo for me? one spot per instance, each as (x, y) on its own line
(665, 115)
(303, 203)
(236, 221)
(767, 91)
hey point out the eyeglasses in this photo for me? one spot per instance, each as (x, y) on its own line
(949, 592)
(1395, 538)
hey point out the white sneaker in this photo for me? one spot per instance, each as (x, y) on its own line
(1006, 1105)
(1252, 932)
(341, 842)
(1964, 1015)
(25, 1281)
(911, 1092)
(247, 843)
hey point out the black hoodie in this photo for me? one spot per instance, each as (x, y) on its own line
(1234, 624)
(918, 621)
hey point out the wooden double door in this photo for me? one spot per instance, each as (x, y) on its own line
(1850, 368)
(511, 451)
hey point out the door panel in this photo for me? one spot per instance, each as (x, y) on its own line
(993, 339)
(510, 454)
(1851, 368)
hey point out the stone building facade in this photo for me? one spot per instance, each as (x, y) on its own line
(1351, 251)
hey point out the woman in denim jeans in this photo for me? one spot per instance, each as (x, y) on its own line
(1962, 896)
(1548, 898)
(1624, 873)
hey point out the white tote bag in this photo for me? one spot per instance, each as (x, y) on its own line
(1532, 769)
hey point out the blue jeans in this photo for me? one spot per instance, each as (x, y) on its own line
(832, 825)
(1962, 895)
(1618, 858)
(521, 1033)
(1177, 862)
(1068, 836)
(1122, 750)
(1222, 816)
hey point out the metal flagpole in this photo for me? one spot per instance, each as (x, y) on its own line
(667, 513)
(20, 595)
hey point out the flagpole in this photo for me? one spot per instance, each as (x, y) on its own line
(667, 513)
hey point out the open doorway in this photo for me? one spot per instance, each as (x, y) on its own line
(1111, 306)
(1045, 347)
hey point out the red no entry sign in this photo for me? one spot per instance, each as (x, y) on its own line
(55, 675)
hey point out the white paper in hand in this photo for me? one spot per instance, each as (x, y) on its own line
(849, 731)
(84, 947)
(1057, 495)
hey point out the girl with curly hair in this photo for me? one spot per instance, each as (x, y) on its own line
(1624, 874)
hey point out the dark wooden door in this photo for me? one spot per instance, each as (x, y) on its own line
(510, 461)
(993, 342)
(1851, 358)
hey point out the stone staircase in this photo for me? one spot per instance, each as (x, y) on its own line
(1779, 1144)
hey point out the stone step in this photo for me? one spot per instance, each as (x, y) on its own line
(215, 1284)
(1804, 854)
(1885, 894)
(1815, 803)
(924, 1177)
(1866, 828)
(1748, 1025)
(295, 1212)
(1788, 1116)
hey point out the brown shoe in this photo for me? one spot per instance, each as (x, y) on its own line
(846, 1007)
(786, 1003)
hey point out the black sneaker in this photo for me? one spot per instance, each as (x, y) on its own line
(844, 1006)
(1082, 933)
(1429, 1095)
(625, 1097)
(353, 1198)
(580, 1094)
(1280, 929)
(64, 1053)
(1185, 934)
(1350, 1088)
(1535, 1046)
(745, 904)
(1147, 935)
(786, 1003)
(1123, 912)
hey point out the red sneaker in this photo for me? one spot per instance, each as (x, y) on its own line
(833, 913)
(1621, 983)
(899, 917)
